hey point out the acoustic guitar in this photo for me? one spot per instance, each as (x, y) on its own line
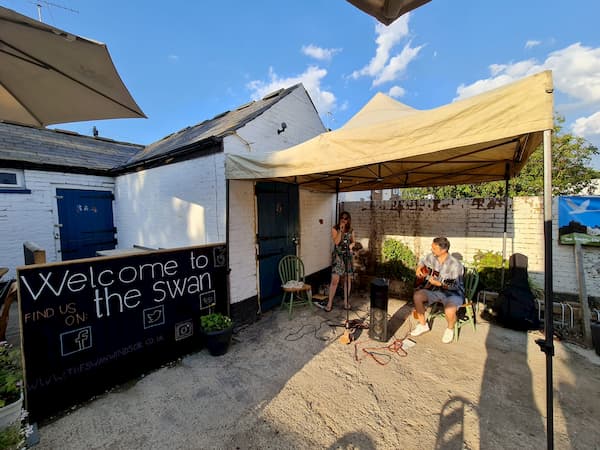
(425, 274)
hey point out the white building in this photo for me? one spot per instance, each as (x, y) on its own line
(169, 194)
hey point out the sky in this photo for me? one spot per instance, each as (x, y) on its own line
(184, 62)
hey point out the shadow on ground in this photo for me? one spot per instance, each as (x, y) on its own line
(291, 384)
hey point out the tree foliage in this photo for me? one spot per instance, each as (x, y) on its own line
(571, 172)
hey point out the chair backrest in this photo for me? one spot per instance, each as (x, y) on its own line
(471, 282)
(291, 268)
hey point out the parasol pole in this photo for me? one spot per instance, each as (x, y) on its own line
(546, 345)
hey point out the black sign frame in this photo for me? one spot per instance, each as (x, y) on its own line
(90, 324)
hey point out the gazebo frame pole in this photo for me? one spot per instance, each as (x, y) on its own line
(546, 345)
(337, 200)
(506, 196)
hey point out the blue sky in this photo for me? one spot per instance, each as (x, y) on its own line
(185, 62)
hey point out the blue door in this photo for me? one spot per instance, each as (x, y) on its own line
(277, 205)
(86, 222)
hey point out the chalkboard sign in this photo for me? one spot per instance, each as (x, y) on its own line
(93, 323)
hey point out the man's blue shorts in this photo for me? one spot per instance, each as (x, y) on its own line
(446, 298)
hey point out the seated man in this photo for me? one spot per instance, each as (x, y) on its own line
(441, 277)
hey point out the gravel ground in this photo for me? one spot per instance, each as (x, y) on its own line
(291, 384)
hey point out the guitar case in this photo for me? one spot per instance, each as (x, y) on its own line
(515, 306)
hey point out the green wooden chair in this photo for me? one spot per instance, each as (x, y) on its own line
(295, 290)
(466, 312)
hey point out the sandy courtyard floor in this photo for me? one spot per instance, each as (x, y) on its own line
(290, 384)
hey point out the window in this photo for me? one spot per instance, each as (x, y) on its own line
(12, 178)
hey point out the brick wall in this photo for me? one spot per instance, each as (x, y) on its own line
(472, 225)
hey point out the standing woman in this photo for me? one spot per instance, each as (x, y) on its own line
(343, 240)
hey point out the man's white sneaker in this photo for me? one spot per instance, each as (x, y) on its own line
(419, 330)
(448, 336)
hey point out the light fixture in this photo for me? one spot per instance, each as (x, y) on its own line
(283, 127)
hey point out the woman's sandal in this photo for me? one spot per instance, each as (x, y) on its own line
(348, 308)
(326, 309)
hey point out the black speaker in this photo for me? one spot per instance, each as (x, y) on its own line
(379, 305)
(596, 336)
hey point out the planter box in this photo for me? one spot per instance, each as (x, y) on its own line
(10, 413)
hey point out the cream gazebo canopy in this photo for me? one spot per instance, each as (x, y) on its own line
(387, 144)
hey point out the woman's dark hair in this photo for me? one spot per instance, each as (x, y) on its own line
(442, 243)
(344, 215)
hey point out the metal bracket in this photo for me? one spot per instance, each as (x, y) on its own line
(548, 349)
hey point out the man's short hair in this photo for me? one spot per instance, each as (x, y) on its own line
(442, 243)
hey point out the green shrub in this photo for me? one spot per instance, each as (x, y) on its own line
(11, 437)
(398, 261)
(489, 265)
(11, 375)
(215, 322)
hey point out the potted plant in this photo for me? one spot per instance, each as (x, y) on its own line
(217, 330)
(11, 378)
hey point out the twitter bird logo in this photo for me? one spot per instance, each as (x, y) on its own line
(154, 316)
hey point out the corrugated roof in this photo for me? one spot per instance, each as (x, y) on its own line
(209, 130)
(28, 145)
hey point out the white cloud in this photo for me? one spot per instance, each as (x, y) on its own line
(575, 71)
(312, 77)
(587, 126)
(532, 43)
(322, 54)
(501, 74)
(576, 75)
(397, 65)
(396, 92)
(384, 67)
(173, 58)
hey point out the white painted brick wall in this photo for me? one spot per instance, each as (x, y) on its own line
(477, 224)
(172, 206)
(260, 135)
(317, 212)
(184, 203)
(32, 217)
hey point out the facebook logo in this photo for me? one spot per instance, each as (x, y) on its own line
(75, 341)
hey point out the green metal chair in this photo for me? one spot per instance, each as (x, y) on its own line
(471, 280)
(295, 290)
